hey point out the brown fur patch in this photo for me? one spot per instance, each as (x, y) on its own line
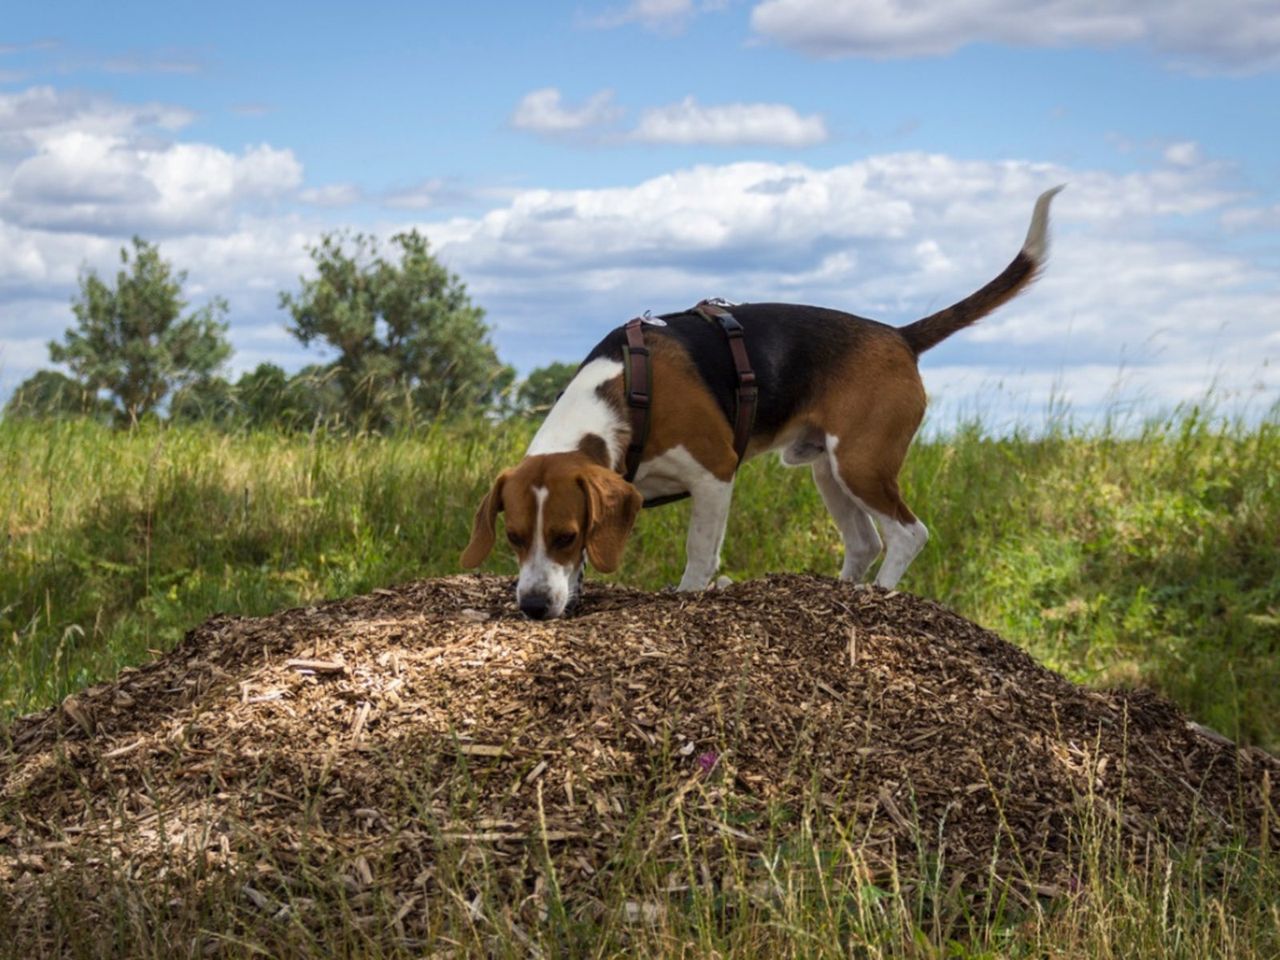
(593, 447)
(684, 413)
(873, 407)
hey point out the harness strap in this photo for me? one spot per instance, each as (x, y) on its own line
(748, 396)
(639, 385)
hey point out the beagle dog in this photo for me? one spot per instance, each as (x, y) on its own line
(835, 391)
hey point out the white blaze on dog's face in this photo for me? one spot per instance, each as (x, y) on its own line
(558, 508)
(550, 562)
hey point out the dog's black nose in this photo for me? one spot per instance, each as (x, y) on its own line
(534, 607)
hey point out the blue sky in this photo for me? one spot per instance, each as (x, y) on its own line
(579, 163)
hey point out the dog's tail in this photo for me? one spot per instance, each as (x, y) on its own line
(935, 328)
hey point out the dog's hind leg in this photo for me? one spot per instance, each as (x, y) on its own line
(873, 482)
(861, 542)
(903, 540)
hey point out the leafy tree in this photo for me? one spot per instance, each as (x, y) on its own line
(132, 340)
(210, 400)
(267, 396)
(313, 398)
(261, 393)
(263, 397)
(50, 394)
(539, 390)
(410, 343)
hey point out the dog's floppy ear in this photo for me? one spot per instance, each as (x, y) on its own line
(612, 505)
(482, 531)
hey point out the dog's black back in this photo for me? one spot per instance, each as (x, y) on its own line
(792, 349)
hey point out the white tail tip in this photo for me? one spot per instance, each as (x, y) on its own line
(1037, 242)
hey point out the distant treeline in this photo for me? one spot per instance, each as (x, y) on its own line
(409, 347)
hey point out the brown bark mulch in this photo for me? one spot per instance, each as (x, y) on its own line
(430, 721)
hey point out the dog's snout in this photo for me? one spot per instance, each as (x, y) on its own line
(535, 606)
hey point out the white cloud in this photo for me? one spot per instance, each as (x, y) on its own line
(332, 195)
(1238, 219)
(1185, 153)
(688, 122)
(37, 262)
(1230, 35)
(428, 193)
(669, 16)
(33, 116)
(103, 184)
(82, 163)
(544, 111)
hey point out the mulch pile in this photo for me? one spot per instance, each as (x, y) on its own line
(385, 729)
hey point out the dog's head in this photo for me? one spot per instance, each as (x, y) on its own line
(558, 509)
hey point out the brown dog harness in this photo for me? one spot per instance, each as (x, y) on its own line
(639, 385)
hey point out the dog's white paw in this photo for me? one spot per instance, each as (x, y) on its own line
(722, 582)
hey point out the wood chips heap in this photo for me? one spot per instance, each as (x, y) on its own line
(386, 731)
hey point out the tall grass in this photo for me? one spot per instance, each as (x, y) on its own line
(1144, 556)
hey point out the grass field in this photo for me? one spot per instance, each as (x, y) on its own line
(1149, 555)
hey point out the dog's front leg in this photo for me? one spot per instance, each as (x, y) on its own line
(707, 520)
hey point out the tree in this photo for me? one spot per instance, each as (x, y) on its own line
(49, 394)
(131, 339)
(261, 393)
(263, 397)
(267, 396)
(541, 388)
(409, 341)
(209, 400)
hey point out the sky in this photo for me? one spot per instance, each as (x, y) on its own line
(576, 164)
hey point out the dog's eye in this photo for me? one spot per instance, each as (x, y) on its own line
(563, 541)
(516, 540)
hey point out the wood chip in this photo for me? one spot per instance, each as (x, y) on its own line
(317, 666)
(359, 720)
(76, 711)
(123, 751)
(481, 749)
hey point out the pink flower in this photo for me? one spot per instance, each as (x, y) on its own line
(707, 761)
